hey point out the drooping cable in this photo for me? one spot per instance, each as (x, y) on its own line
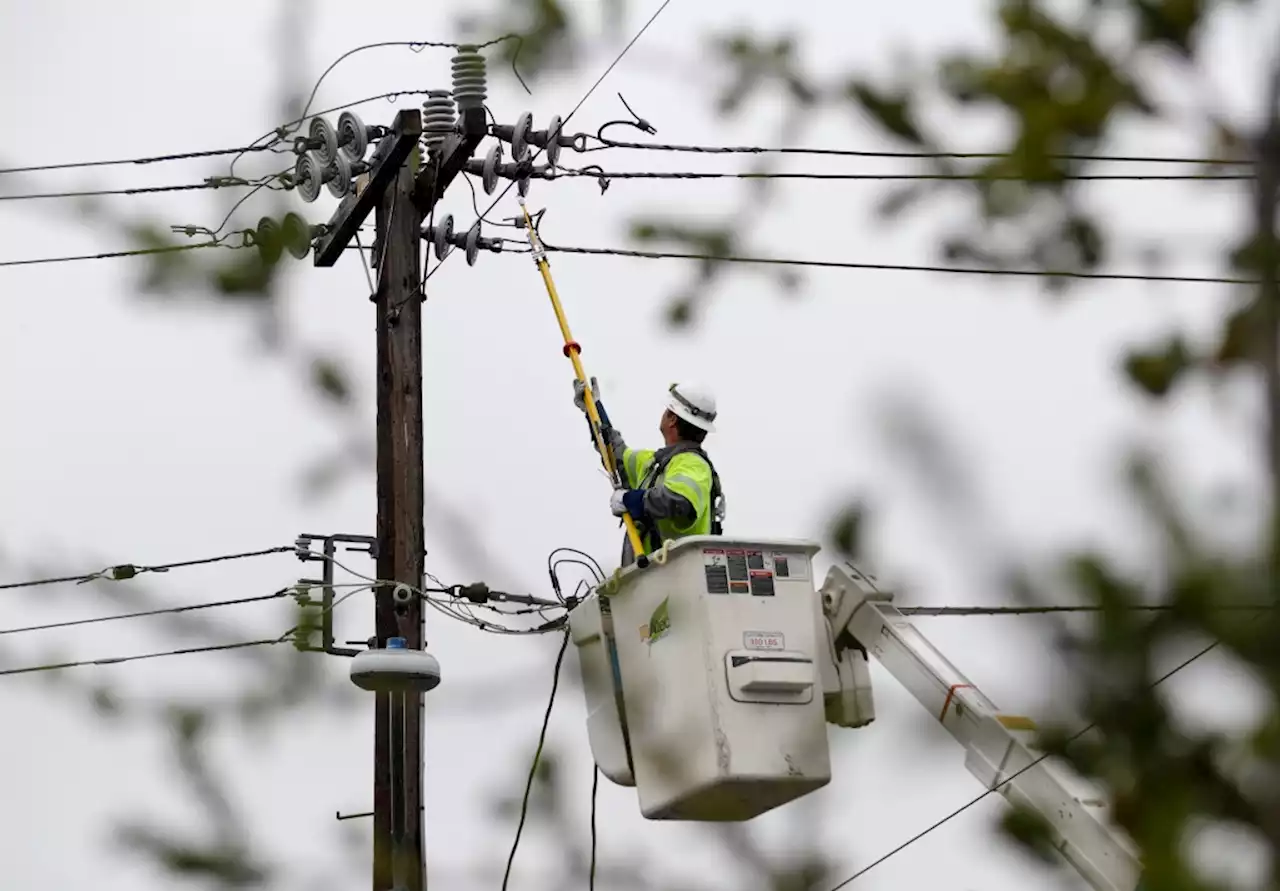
(595, 790)
(143, 614)
(213, 182)
(905, 155)
(117, 255)
(939, 611)
(898, 267)
(605, 176)
(537, 757)
(117, 660)
(123, 571)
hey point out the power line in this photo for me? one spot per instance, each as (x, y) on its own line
(895, 267)
(935, 611)
(595, 791)
(537, 757)
(599, 80)
(164, 611)
(123, 571)
(279, 134)
(960, 810)
(186, 651)
(213, 182)
(917, 155)
(151, 159)
(208, 153)
(416, 46)
(116, 660)
(607, 175)
(116, 255)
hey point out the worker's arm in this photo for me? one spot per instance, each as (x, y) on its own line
(662, 503)
(686, 485)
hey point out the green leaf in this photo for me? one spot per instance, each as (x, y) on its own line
(901, 199)
(893, 111)
(1032, 831)
(846, 531)
(680, 312)
(329, 378)
(1173, 23)
(1239, 339)
(1156, 371)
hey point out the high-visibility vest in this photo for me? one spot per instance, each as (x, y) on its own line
(686, 470)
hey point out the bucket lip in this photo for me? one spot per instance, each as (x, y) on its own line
(808, 546)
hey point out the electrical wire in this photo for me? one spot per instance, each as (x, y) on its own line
(960, 810)
(279, 134)
(431, 223)
(595, 791)
(891, 267)
(185, 651)
(537, 757)
(605, 176)
(258, 146)
(172, 610)
(919, 155)
(455, 609)
(253, 147)
(116, 660)
(416, 46)
(599, 80)
(123, 571)
(579, 558)
(116, 162)
(620, 144)
(522, 248)
(213, 182)
(936, 611)
(116, 255)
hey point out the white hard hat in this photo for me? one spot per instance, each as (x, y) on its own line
(693, 403)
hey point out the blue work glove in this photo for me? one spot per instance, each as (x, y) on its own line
(628, 501)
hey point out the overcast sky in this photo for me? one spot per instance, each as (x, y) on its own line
(138, 431)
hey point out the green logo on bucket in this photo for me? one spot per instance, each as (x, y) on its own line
(659, 624)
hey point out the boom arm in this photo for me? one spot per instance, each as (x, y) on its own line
(997, 746)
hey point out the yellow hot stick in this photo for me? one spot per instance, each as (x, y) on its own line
(571, 349)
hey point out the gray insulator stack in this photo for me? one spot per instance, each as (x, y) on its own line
(469, 78)
(439, 117)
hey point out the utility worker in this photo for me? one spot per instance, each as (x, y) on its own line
(673, 491)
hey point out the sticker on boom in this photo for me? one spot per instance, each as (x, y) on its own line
(763, 640)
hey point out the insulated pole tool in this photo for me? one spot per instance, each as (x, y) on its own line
(572, 349)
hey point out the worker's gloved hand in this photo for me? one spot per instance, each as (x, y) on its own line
(580, 394)
(628, 501)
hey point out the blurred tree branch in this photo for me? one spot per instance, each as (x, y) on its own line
(1063, 85)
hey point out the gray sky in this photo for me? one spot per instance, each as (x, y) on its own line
(140, 432)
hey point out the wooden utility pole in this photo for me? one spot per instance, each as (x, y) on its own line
(402, 197)
(399, 861)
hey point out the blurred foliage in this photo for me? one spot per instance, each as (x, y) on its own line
(1063, 84)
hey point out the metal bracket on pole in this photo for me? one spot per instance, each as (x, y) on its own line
(364, 544)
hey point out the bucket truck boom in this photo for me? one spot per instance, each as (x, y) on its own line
(861, 622)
